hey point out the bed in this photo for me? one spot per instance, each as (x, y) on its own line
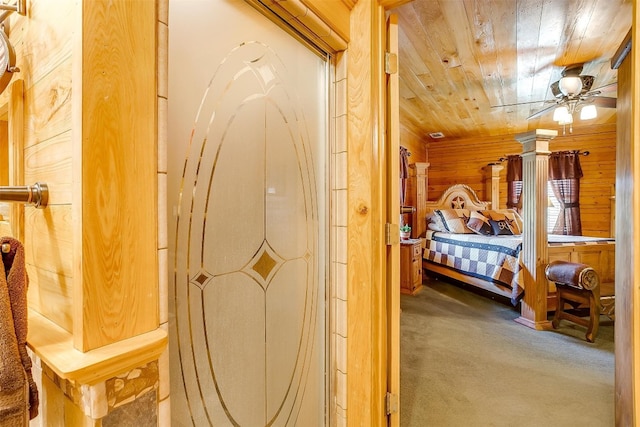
(493, 262)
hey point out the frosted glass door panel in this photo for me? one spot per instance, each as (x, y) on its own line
(246, 184)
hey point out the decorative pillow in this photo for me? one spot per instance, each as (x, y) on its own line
(454, 220)
(479, 224)
(434, 227)
(512, 217)
(500, 227)
(435, 223)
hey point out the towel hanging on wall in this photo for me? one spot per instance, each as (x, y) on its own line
(18, 391)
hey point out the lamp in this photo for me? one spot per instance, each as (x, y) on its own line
(571, 85)
(588, 112)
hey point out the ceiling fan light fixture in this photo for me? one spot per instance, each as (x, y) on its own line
(566, 120)
(588, 112)
(571, 85)
(560, 113)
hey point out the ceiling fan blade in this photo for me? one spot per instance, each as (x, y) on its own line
(555, 89)
(611, 87)
(541, 112)
(604, 101)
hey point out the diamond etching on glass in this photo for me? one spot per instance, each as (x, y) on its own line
(201, 279)
(264, 264)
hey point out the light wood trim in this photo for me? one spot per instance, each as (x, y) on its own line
(325, 31)
(366, 327)
(535, 173)
(390, 4)
(635, 213)
(335, 13)
(379, 159)
(118, 286)
(4, 152)
(421, 176)
(54, 346)
(492, 184)
(392, 197)
(627, 324)
(613, 210)
(349, 3)
(15, 117)
(77, 143)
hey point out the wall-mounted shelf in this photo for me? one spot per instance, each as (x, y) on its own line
(36, 195)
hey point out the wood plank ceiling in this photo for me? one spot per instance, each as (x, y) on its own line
(481, 67)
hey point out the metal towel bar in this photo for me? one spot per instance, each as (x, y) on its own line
(36, 194)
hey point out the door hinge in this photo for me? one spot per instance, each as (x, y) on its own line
(390, 63)
(391, 403)
(391, 234)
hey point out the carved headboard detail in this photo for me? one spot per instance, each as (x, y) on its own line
(458, 196)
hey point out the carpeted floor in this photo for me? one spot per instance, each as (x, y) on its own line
(465, 362)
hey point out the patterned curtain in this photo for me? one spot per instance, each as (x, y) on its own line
(514, 182)
(404, 173)
(564, 175)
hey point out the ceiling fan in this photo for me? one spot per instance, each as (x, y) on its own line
(572, 93)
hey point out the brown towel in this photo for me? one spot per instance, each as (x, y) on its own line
(13, 323)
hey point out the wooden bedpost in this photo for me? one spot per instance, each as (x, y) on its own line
(535, 253)
(418, 182)
(492, 184)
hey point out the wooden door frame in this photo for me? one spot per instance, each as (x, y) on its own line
(369, 276)
(392, 203)
(627, 344)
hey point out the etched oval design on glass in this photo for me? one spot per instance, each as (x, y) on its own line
(247, 283)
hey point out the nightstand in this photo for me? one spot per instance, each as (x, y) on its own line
(410, 266)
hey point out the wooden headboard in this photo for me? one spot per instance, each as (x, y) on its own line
(458, 196)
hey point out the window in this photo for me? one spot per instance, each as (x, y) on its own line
(553, 210)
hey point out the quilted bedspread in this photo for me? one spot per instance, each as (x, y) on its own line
(492, 258)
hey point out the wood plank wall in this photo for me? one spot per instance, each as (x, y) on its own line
(414, 144)
(43, 45)
(462, 160)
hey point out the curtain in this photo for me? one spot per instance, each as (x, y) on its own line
(564, 176)
(404, 173)
(514, 182)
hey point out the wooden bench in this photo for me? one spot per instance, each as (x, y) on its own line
(576, 284)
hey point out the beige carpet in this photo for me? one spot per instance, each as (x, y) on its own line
(465, 362)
